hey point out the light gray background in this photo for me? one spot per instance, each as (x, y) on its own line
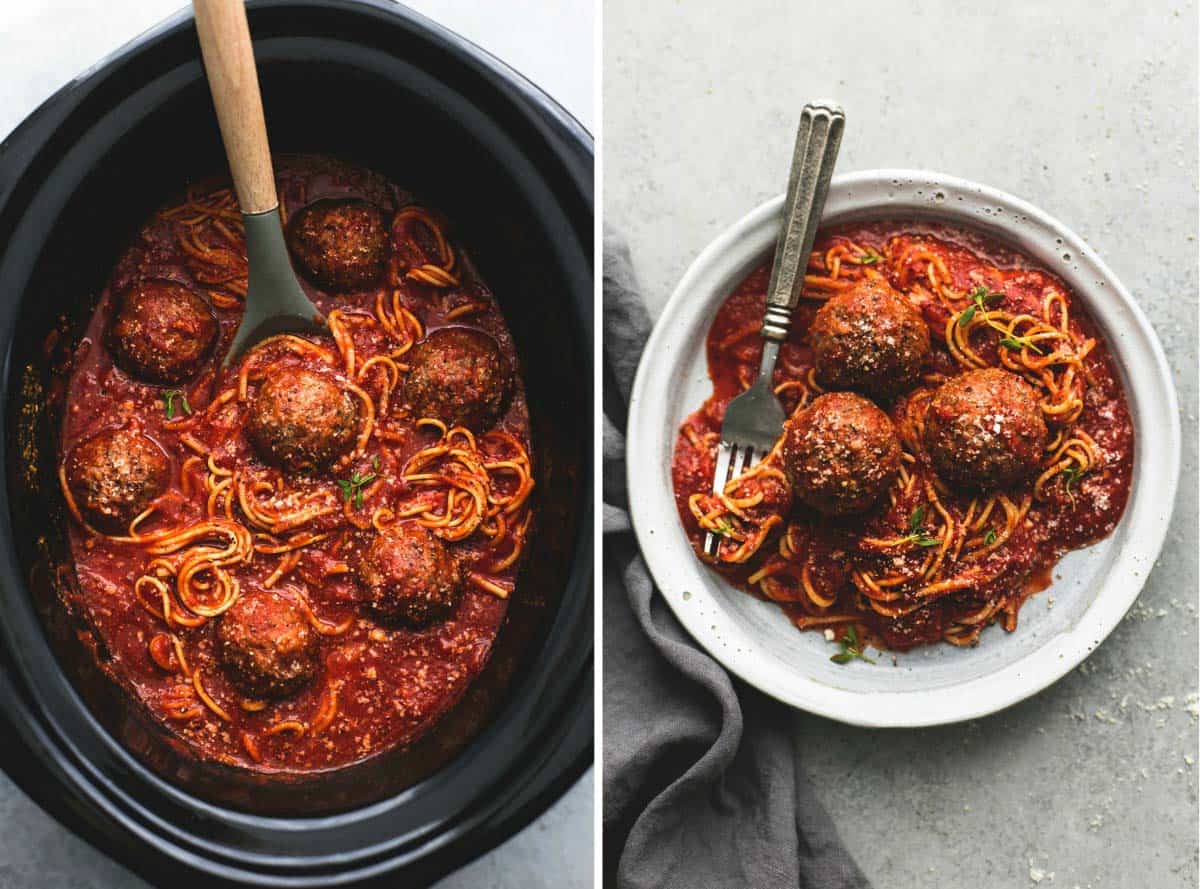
(43, 44)
(1089, 111)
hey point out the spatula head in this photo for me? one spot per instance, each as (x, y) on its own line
(275, 302)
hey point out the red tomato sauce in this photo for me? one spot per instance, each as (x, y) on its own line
(834, 553)
(378, 686)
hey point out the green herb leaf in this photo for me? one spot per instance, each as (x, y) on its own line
(1071, 475)
(916, 530)
(980, 298)
(990, 537)
(352, 488)
(1017, 343)
(850, 648)
(724, 527)
(168, 400)
(869, 258)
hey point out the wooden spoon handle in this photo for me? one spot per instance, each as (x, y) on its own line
(233, 80)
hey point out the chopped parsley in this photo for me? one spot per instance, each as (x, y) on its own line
(352, 488)
(990, 537)
(980, 299)
(869, 258)
(168, 400)
(851, 648)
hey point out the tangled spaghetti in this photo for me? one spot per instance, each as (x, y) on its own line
(229, 524)
(930, 561)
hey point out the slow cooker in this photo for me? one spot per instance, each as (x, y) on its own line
(379, 85)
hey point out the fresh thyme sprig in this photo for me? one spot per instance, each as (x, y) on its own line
(980, 298)
(1071, 475)
(1017, 343)
(352, 488)
(851, 648)
(724, 527)
(916, 530)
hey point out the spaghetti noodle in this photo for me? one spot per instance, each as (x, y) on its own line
(931, 561)
(230, 525)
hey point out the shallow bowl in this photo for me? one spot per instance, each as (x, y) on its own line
(1092, 588)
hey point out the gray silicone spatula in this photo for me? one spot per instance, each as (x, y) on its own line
(275, 303)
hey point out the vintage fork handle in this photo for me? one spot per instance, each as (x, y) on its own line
(817, 141)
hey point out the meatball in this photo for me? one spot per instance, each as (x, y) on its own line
(984, 429)
(840, 453)
(459, 376)
(267, 647)
(409, 576)
(869, 339)
(340, 244)
(301, 421)
(161, 332)
(114, 476)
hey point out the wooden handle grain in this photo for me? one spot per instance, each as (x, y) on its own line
(229, 64)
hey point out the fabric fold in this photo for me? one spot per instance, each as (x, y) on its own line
(702, 784)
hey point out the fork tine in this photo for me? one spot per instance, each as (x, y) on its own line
(720, 476)
(739, 461)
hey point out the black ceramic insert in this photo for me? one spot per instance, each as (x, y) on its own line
(377, 85)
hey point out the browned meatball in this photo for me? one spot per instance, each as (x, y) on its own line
(409, 576)
(161, 332)
(459, 376)
(268, 648)
(114, 476)
(301, 421)
(340, 244)
(840, 453)
(869, 339)
(984, 429)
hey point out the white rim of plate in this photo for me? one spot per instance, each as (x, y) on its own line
(880, 194)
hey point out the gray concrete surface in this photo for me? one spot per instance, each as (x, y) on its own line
(1089, 111)
(44, 43)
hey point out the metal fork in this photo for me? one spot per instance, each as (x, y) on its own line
(754, 420)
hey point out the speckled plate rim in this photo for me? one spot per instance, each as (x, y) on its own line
(687, 585)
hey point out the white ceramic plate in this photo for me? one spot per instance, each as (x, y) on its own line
(937, 684)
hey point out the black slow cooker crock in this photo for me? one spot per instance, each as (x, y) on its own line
(376, 84)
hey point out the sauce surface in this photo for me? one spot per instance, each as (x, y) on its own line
(230, 524)
(928, 562)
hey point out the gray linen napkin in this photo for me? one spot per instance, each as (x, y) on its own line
(702, 786)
